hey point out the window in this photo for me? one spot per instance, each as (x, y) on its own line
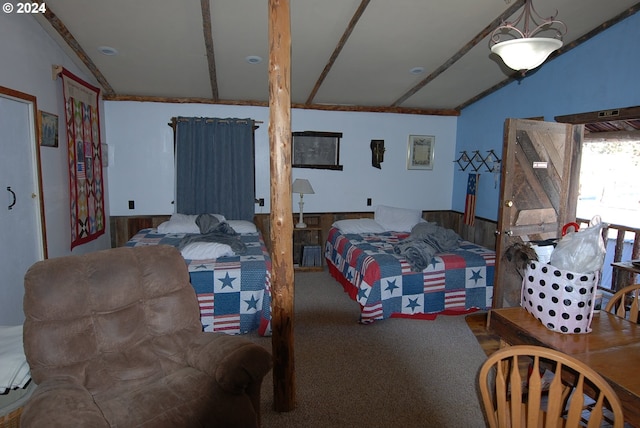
(608, 180)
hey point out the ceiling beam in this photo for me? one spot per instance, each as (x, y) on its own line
(466, 48)
(338, 49)
(601, 116)
(326, 107)
(208, 43)
(77, 49)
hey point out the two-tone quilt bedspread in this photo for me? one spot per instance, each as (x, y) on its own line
(233, 292)
(384, 285)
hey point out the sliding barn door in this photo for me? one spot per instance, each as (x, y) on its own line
(539, 192)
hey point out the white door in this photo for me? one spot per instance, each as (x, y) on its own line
(21, 233)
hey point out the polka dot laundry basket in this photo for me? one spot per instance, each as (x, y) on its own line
(562, 300)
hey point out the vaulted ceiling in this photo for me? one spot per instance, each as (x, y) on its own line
(418, 56)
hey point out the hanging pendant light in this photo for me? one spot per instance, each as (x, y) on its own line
(522, 51)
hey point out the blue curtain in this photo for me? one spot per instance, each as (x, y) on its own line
(215, 167)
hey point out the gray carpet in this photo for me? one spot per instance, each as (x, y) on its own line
(392, 373)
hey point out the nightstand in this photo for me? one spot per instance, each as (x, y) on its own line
(307, 245)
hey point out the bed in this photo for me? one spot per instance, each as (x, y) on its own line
(233, 291)
(384, 284)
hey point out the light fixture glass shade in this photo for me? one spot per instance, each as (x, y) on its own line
(527, 53)
(301, 185)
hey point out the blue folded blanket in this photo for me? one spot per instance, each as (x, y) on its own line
(212, 230)
(426, 239)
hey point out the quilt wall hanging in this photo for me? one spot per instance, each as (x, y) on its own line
(86, 189)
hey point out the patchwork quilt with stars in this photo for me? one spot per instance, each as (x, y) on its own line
(234, 292)
(384, 285)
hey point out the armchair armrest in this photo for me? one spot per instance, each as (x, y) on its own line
(60, 403)
(235, 363)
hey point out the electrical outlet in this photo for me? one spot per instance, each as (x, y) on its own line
(368, 202)
(132, 205)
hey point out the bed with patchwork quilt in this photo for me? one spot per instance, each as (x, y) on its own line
(233, 290)
(386, 284)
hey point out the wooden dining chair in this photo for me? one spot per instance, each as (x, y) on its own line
(625, 300)
(513, 397)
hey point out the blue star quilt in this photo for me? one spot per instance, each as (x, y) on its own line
(234, 292)
(384, 285)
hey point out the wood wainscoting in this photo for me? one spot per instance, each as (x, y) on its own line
(482, 233)
(124, 227)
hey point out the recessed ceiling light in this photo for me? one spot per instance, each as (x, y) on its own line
(417, 70)
(253, 59)
(108, 50)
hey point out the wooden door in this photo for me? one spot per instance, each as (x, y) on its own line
(539, 192)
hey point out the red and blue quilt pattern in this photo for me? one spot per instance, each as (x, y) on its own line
(384, 285)
(234, 293)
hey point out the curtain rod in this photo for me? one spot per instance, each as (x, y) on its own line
(174, 120)
(211, 119)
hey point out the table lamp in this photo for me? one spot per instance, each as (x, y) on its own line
(303, 187)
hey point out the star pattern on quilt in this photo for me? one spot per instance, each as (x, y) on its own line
(252, 303)
(391, 286)
(413, 304)
(227, 281)
(475, 276)
(362, 293)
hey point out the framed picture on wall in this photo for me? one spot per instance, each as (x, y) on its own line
(313, 149)
(48, 129)
(420, 152)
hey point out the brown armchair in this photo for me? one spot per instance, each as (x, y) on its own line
(113, 339)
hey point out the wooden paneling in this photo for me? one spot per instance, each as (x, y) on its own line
(482, 233)
(124, 227)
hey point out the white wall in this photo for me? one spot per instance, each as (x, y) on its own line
(27, 53)
(141, 158)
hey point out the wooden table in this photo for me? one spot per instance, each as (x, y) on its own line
(612, 348)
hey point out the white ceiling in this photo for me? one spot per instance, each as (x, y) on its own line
(162, 50)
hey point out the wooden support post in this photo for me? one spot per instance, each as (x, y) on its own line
(281, 213)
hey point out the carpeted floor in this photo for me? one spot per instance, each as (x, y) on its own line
(392, 373)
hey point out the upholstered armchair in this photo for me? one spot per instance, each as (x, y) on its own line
(113, 339)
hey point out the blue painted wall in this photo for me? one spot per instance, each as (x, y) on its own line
(602, 73)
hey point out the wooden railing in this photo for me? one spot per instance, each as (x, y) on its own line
(620, 235)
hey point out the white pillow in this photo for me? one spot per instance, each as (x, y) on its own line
(359, 225)
(242, 226)
(179, 223)
(206, 250)
(397, 219)
(183, 223)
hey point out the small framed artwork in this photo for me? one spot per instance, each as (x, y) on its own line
(48, 129)
(420, 152)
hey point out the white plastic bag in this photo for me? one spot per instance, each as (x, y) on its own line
(581, 251)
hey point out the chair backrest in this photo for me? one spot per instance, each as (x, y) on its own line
(109, 317)
(625, 300)
(514, 393)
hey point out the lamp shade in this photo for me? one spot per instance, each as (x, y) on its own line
(302, 186)
(527, 53)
